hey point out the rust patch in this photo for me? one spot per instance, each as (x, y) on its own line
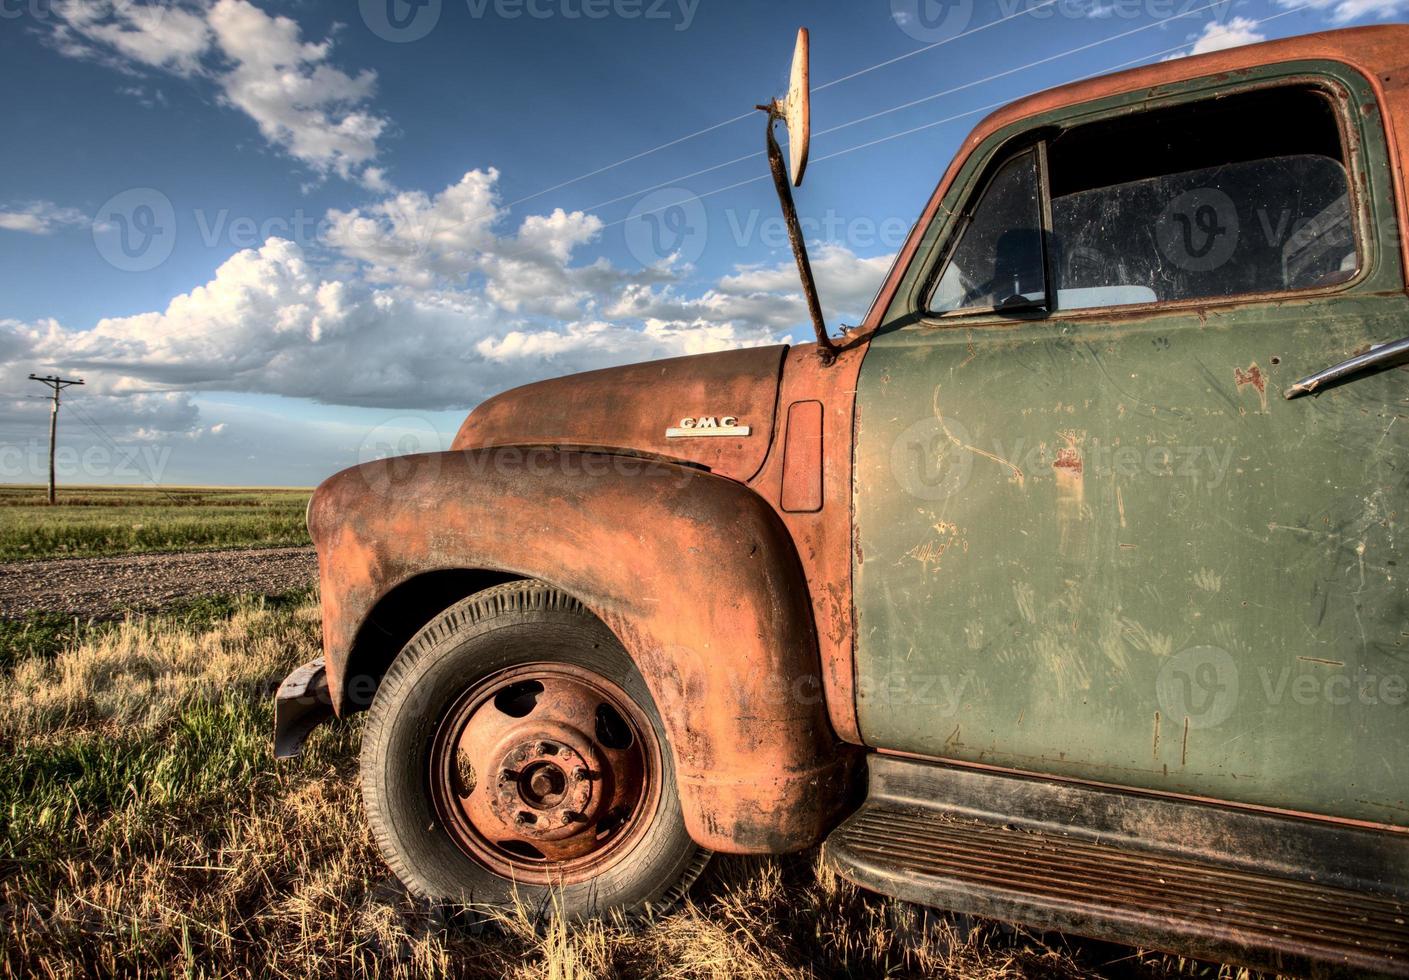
(735, 682)
(1068, 458)
(1068, 467)
(1252, 376)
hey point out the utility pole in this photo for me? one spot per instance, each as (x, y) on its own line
(58, 384)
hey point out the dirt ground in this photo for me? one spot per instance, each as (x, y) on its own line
(102, 587)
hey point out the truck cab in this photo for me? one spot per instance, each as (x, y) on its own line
(1065, 589)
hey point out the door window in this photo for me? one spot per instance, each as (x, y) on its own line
(998, 262)
(1243, 195)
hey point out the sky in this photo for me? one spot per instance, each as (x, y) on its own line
(281, 237)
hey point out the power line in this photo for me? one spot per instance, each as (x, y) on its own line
(622, 162)
(929, 98)
(747, 115)
(113, 444)
(957, 116)
(937, 44)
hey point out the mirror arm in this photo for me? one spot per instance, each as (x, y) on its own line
(826, 350)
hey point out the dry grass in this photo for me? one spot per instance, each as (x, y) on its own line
(145, 829)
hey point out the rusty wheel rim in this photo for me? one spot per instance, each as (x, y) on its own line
(545, 773)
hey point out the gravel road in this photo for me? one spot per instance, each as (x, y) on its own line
(102, 586)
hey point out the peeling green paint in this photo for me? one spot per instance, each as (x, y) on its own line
(1107, 548)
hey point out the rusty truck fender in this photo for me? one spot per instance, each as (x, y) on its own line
(694, 573)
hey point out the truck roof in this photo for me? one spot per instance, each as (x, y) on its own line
(1380, 53)
(1375, 51)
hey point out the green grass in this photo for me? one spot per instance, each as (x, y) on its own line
(97, 521)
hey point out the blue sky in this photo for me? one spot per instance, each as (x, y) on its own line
(277, 237)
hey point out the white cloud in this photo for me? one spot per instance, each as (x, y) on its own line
(157, 35)
(268, 323)
(40, 218)
(1216, 36)
(1344, 11)
(443, 313)
(260, 64)
(414, 303)
(415, 239)
(300, 103)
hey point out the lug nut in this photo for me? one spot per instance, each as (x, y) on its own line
(545, 748)
(581, 773)
(524, 818)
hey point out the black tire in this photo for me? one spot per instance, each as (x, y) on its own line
(507, 628)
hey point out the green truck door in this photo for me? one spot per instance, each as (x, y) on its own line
(1093, 538)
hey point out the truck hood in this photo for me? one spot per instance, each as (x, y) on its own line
(629, 409)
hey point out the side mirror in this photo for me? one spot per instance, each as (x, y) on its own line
(796, 110)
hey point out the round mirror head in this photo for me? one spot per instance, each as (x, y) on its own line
(797, 110)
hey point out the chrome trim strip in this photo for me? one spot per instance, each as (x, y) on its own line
(718, 430)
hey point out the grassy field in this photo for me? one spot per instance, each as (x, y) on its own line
(146, 829)
(93, 521)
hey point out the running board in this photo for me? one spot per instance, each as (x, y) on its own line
(1256, 889)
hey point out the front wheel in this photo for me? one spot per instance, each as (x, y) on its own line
(513, 755)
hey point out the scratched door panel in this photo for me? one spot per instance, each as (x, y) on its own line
(1113, 551)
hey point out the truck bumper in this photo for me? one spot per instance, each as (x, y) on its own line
(302, 704)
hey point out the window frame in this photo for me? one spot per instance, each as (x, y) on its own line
(984, 163)
(965, 220)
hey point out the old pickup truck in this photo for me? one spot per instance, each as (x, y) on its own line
(1067, 589)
